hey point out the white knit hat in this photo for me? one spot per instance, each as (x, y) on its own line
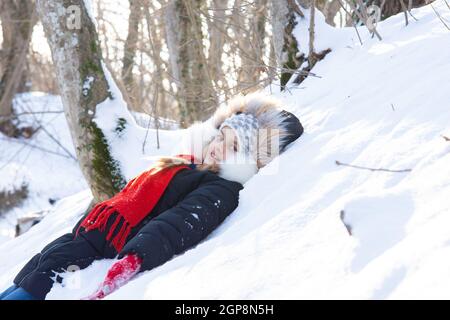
(246, 127)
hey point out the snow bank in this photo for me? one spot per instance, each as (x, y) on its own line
(380, 105)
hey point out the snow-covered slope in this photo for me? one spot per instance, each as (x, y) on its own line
(380, 105)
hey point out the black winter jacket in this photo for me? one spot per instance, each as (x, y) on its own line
(194, 204)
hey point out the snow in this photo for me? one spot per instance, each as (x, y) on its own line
(90, 12)
(127, 146)
(325, 35)
(286, 238)
(49, 170)
(87, 84)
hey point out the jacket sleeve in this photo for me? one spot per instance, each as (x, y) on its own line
(186, 224)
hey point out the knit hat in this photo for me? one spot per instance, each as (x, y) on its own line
(246, 127)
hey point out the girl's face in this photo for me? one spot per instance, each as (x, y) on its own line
(225, 144)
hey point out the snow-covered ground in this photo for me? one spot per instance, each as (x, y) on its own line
(381, 105)
(46, 163)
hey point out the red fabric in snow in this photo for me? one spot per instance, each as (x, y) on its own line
(118, 274)
(122, 270)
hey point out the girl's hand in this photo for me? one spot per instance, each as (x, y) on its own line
(120, 273)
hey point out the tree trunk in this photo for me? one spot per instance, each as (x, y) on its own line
(83, 85)
(155, 40)
(217, 41)
(258, 40)
(196, 95)
(18, 19)
(286, 14)
(249, 37)
(393, 7)
(390, 8)
(134, 18)
(330, 11)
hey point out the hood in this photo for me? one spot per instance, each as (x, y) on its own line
(266, 109)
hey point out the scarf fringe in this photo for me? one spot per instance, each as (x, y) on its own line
(98, 219)
(121, 237)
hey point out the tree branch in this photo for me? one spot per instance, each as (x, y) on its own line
(370, 169)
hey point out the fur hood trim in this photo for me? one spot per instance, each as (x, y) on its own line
(266, 109)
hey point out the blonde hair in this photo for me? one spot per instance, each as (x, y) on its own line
(173, 161)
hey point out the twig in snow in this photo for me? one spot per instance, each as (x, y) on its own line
(446, 138)
(371, 169)
(364, 17)
(155, 117)
(405, 11)
(13, 156)
(410, 4)
(41, 126)
(440, 18)
(10, 117)
(347, 226)
(58, 143)
(392, 105)
(354, 25)
(33, 146)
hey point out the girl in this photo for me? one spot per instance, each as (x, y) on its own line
(171, 207)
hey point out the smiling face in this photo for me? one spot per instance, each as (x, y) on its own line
(224, 144)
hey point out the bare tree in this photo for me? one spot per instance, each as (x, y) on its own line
(155, 38)
(18, 19)
(216, 22)
(83, 85)
(388, 7)
(196, 94)
(286, 14)
(330, 10)
(131, 46)
(249, 29)
(393, 7)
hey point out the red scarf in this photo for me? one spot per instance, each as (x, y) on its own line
(132, 204)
